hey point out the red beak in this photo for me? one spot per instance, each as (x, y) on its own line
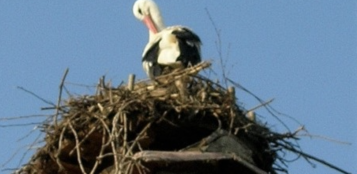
(150, 24)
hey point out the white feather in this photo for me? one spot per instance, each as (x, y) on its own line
(146, 67)
(169, 48)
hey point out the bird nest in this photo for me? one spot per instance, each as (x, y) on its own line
(153, 127)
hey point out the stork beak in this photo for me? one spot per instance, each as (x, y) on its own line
(150, 24)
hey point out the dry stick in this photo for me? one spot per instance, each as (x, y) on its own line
(260, 100)
(108, 84)
(133, 164)
(177, 74)
(137, 138)
(21, 117)
(59, 97)
(124, 118)
(67, 92)
(84, 138)
(313, 158)
(35, 95)
(325, 138)
(105, 127)
(113, 137)
(31, 145)
(193, 69)
(245, 127)
(248, 165)
(227, 58)
(106, 154)
(258, 106)
(111, 96)
(116, 118)
(140, 168)
(189, 70)
(125, 130)
(100, 85)
(232, 94)
(135, 142)
(12, 157)
(98, 160)
(19, 125)
(131, 81)
(129, 169)
(58, 161)
(26, 152)
(77, 148)
(219, 46)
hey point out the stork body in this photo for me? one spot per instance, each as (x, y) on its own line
(168, 48)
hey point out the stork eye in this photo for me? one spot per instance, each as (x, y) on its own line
(140, 11)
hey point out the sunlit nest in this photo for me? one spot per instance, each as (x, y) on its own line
(157, 127)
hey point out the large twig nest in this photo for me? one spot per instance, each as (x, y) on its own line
(155, 128)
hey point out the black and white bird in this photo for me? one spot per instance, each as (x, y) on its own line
(169, 47)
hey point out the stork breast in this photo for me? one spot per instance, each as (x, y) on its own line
(169, 49)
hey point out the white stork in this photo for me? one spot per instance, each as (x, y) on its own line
(172, 47)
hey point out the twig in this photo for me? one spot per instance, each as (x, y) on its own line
(218, 46)
(58, 161)
(137, 138)
(37, 96)
(129, 169)
(260, 100)
(28, 134)
(258, 106)
(188, 70)
(131, 81)
(125, 138)
(18, 150)
(22, 117)
(81, 85)
(78, 149)
(59, 97)
(247, 164)
(83, 139)
(19, 125)
(102, 148)
(31, 145)
(232, 94)
(325, 138)
(114, 135)
(313, 158)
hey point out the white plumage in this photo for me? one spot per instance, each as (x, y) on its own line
(171, 47)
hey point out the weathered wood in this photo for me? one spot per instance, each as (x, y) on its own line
(131, 81)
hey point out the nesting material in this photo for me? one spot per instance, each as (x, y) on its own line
(152, 127)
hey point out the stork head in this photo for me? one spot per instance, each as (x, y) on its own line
(148, 12)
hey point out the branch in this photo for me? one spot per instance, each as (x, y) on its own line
(60, 97)
(35, 95)
(262, 104)
(314, 158)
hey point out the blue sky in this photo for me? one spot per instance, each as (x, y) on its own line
(301, 53)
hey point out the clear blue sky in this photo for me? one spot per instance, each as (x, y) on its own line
(302, 53)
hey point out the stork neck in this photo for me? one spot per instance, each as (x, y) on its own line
(152, 35)
(159, 25)
(157, 19)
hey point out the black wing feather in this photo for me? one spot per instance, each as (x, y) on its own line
(189, 52)
(151, 56)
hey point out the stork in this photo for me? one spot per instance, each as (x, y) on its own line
(169, 47)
